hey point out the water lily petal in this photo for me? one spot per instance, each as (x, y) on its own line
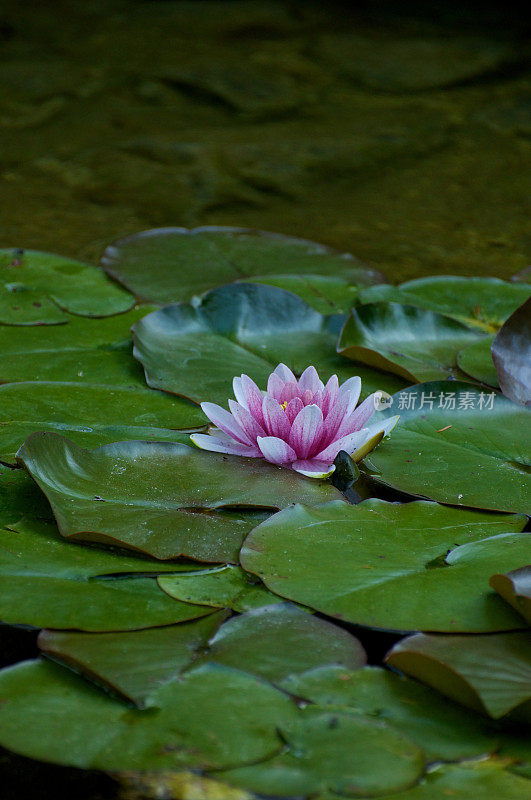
(289, 391)
(313, 468)
(310, 380)
(253, 398)
(348, 443)
(220, 417)
(246, 421)
(331, 391)
(306, 430)
(275, 386)
(285, 374)
(375, 434)
(293, 408)
(206, 442)
(238, 392)
(352, 388)
(275, 419)
(364, 412)
(276, 450)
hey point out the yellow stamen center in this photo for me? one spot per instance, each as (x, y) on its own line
(284, 405)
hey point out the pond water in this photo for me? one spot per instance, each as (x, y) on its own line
(394, 132)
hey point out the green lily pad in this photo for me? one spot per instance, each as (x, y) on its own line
(491, 674)
(336, 750)
(515, 588)
(167, 265)
(456, 443)
(92, 414)
(87, 351)
(416, 566)
(48, 582)
(328, 294)
(18, 493)
(280, 640)
(132, 664)
(417, 344)
(44, 289)
(212, 718)
(511, 353)
(482, 303)
(161, 498)
(224, 586)
(444, 731)
(476, 361)
(480, 780)
(196, 350)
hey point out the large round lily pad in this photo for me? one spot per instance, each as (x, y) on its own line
(161, 498)
(443, 730)
(491, 674)
(87, 351)
(196, 350)
(166, 265)
(328, 294)
(44, 289)
(416, 566)
(213, 718)
(281, 640)
(92, 414)
(337, 750)
(132, 664)
(456, 443)
(417, 344)
(48, 582)
(483, 303)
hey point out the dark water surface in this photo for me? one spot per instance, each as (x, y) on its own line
(397, 131)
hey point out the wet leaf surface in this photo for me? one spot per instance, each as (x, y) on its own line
(161, 498)
(515, 588)
(224, 586)
(482, 303)
(456, 443)
(44, 289)
(491, 674)
(196, 350)
(414, 343)
(167, 265)
(476, 360)
(416, 566)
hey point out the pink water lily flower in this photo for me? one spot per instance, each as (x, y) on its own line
(301, 424)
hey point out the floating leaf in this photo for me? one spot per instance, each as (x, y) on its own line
(196, 350)
(161, 498)
(131, 663)
(328, 294)
(515, 588)
(92, 414)
(483, 303)
(417, 344)
(511, 353)
(337, 750)
(281, 640)
(91, 351)
(224, 586)
(455, 443)
(476, 361)
(213, 717)
(18, 493)
(491, 674)
(48, 582)
(44, 289)
(443, 730)
(171, 264)
(416, 566)
(480, 780)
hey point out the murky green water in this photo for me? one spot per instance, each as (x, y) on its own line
(401, 136)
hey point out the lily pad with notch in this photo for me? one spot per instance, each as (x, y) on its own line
(161, 498)
(400, 567)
